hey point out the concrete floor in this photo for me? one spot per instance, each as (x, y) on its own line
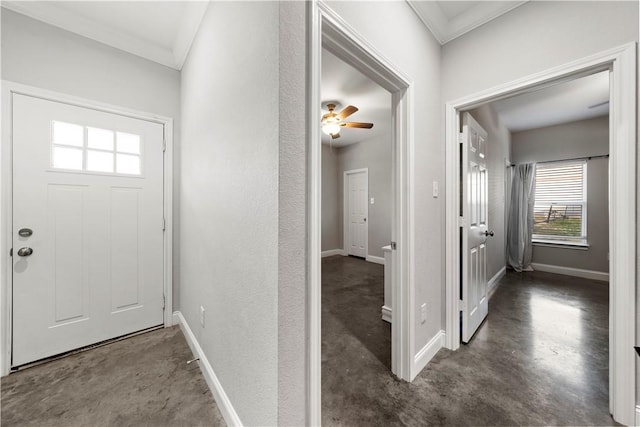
(540, 358)
(140, 381)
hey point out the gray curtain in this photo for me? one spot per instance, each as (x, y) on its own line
(520, 221)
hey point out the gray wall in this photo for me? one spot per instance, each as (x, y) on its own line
(409, 45)
(332, 220)
(41, 55)
(534, 37)
(375, 154)
(498, 152)
(292, 228)
(229, 200)
(577, 139)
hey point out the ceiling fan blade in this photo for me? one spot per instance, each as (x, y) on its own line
(348, 110)
(357, 125)
(335, 135)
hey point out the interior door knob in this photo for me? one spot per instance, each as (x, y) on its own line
(488, 233)
(25, 251)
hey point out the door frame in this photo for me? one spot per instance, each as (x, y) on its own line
(345, 213)
(10, 88)
(621, 61)
(328, 30)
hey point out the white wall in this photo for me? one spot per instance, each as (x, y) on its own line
(229, 201)
(41, 55)
(570, 140)
(407, 44)
(498, 152)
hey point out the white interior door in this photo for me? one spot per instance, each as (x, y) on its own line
(357, 208)
(87, 227)
(474, 230)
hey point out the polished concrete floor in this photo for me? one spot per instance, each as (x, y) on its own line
(140, 381)
(540, 358)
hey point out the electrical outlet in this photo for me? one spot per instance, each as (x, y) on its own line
(202, 316)
(423, 313)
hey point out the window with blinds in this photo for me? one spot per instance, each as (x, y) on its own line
(560, 211)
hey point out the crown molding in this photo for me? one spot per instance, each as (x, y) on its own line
(51, 14)
(445, 30)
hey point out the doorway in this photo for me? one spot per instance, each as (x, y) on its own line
(331, 33)
(621, 64)
(88, 212)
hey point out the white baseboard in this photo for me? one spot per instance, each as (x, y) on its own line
(332, 252)
(426, 353)
(376, 259)
(222, 400)
(386, 314)
(568, 271)
(493, 282)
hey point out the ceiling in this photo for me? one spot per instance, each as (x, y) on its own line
(343, 83)
(450, 19)
(561, 103)
(161, 31)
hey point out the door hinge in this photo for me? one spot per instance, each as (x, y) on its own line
(164, 224)
(394, 245)
(11, 252)
(462, 306)
(460, 221)
(164, 301)
(460, 138)
(164, 145)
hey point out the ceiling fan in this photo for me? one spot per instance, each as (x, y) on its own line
(332, 122)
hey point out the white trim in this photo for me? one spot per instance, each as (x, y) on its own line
(492, 285)
(330, 31)
(345, 211)
(221, 399)
(174, 57)
(332, 252)
(375, 259)
(8, 89)
(569, 271)
(622, 204)
(637, 423)
(387, 313)
(426, 353)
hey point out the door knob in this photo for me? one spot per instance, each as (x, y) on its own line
(488, 233)
(25, 251)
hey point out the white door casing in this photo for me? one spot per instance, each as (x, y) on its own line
(622, 63)
(356, 208)
(97, 267)
(475, 305)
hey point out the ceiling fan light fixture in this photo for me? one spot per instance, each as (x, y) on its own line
(330, 128)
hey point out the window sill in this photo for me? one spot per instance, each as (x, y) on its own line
(561, 244)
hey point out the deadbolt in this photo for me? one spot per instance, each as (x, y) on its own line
(25, 232)
(25, 251)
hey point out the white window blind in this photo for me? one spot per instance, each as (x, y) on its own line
(561, 202)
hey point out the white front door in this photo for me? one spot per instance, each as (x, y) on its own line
(357, 208)
(87, 227)
(475, 306)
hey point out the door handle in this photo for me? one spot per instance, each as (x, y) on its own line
(488, 233)
(25, 251)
